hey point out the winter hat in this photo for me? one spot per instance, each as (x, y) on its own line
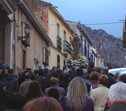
(117, 92)
(4, 66)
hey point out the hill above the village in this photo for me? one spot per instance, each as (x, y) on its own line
(109, 46)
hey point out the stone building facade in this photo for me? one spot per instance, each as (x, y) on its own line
(23, 41)
(59, 32)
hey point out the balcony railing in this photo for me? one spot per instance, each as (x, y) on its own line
(59, 43)
(67, 47)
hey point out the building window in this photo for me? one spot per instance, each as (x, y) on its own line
(88, 51)
(58, 40)
(58, 29)
(24, 59)
(64, 45)
(85, 48)
(36, 64)
(81, 45)
(92, 56)
(65, 36)
(58, 61)
(45, 56)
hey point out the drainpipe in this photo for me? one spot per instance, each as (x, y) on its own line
(14, 36)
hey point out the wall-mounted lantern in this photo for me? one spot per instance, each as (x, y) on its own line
(25, 38)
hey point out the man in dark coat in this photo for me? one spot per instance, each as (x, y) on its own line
(9, 80)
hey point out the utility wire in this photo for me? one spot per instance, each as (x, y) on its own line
(106, 23)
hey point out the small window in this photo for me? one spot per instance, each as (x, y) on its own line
(58, 61)
(45, 55)
(65, 36)
(24, 59)
(58, 29)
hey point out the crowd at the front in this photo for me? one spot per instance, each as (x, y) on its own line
(70, 89)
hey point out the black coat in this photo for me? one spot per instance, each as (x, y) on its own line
(10, 82)
(118, 107)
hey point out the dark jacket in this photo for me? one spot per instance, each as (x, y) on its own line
(88, 107)
(60, 90)
(118, 107)
(10, 82)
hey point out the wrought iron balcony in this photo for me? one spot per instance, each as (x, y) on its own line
(67, 47)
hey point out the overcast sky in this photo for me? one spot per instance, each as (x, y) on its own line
(94, 13)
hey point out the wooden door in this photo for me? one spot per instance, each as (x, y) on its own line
(2, 44)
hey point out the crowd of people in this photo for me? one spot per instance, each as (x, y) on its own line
(70, 89)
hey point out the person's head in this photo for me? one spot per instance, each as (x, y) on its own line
(79, 72)
(53, 92)
(122, 78)
(43, 104)
(16, 101)
(105, 71)
(117, 93)
(94, 79)
(34, 86)
(97, 69)
(94, 76)
(54, 81)
(11, 71)
(34, 91)
(77, 91)
(27, 75)
(103, 79)
(53, 68)
(4, 68)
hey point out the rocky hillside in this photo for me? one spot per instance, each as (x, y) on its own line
(109, 46)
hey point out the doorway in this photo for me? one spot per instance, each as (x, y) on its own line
(2, 38)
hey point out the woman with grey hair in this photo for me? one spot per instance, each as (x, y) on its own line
(77, 98)
(117, 97)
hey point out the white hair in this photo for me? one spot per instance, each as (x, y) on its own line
(117, 92)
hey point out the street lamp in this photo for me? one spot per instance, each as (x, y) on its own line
(25, 38)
